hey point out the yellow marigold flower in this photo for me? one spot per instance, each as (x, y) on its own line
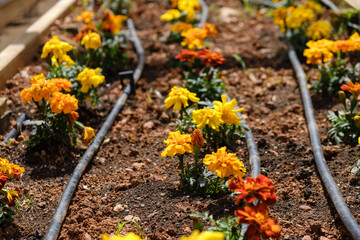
(357, 121)
(313, 6)
(112, 23)
(194, 38)
(170, 15)
(190, 15)
(207, 116)
(228, 115)
(184, 5)
(90, 78)
(181, 27)
(130, 236)
(179, 97)
(86, 17)
(299, 16)
(92, 40)
(55, 47)
(177, 143)
(319, 29)
(10, 169)
(65, 103)
(63, 59)
(224, 163)
(204, 235)
(88, 135)
(279, 15)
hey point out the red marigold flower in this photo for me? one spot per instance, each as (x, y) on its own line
(210, 57)
(260, 188)
(73, 116)
(260, 223)
(187, 55)
(352, 88)
(3, 179)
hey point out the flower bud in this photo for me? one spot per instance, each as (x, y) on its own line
(357, 121)
(342, 96)
(197, 138)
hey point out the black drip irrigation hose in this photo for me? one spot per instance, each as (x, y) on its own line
(325, 175)
(60, 212)
(15, 131)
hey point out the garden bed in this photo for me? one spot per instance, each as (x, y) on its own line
(128, 178)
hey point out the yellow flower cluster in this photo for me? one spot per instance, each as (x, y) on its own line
(179, 97)
(295, 18)
(323, 50)
(177, 143)
(90, 78)
(224, 163)
(222, 113)
(44, 89)
(319, 29)
(58, 49)
(10, 169)
(92, 40)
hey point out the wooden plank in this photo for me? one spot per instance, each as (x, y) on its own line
(354, 3)
(21, 52)
(10, 10)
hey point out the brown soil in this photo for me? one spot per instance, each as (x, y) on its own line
(128, 178)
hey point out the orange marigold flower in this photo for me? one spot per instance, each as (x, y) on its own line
(112, 23)
(73, 116)
(260, 223)
(210, 57)
(260, 188)
(344, 45)
(197, 138)
(194, 38)
(177, 143)
(181, 27)
(355, 38)
(224, 163)
(210, 30)
(187, 55)
(26, 95)
(352, 88)
(319, 51)
(86, 17)
(65, 103)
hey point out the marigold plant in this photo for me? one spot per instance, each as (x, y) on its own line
(224, 164)
(8, 170)
(259, 188)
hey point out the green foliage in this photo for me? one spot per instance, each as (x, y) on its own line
(332, 75)
(229, 226)
(207, 86)
(118, 6)
(110, 56)
(5, 213)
